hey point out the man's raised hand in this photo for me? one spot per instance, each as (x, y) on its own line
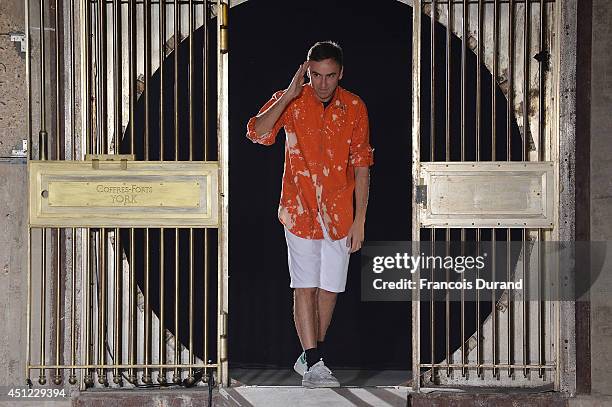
(295, 87)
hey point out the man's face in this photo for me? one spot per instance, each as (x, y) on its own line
(324, 77)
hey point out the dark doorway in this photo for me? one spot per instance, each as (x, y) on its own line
(269, 41)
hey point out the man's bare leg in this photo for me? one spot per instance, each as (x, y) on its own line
(305, 317)
(326, 301)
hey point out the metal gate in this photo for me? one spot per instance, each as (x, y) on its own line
(486, 78)
(128, 191)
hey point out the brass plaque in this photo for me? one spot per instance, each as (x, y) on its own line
(113, 193)
(123, 194)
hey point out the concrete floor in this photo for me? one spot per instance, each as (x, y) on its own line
(283, 396)
(287, 377)
(282, 387)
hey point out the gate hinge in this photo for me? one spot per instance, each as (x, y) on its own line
(421, 194)
(23, 152)
(21, 39)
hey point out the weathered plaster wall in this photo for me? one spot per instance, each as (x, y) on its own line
(13, 218)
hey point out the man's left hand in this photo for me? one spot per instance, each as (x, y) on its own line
(355, 236)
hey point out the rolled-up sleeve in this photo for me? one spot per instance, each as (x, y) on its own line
(361, 154)
(269, 137)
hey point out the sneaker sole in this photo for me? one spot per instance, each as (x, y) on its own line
(311, 385)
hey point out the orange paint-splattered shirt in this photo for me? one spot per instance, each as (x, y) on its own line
(322, 148)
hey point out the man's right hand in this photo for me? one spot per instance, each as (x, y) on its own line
(295, 87)
(265, 121)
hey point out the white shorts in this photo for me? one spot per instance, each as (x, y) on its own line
(319, 263)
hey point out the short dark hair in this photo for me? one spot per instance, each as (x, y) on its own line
(325, 50)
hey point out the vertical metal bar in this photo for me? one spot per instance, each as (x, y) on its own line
(463, 354)
(101, 111)
(525, 310)
(526, 50)
(117, 359)
(190, 95)
(541, 155)
(29, 121)
(480, 13)
(509, 116)
(223, 148)
(88, 71)
(449, 36)
(510, 324)
(494, 75)
(102, 307)
(432, 157)
(162, 56)
(117, 60)
(72, 379)
(57, 379)
(190, 84)
(43, 299)
(132, 60)
(432, 89)
(146, 378)
(58, 88)
(176, 378)
(464, 44)
(132, 304)
(132, 74)
(416, 139)
(42, 133)
(117, 74)
(432, 308)
(161, 378)
(205, 157)
(191, 353)
(509, 106)
(147, 73)
(538, 270)
(494, 158)
(494, 81)
(447, 303)
(29, 303)
(541, 92)
(177, 34)
(494, 305)
(479, 48)
(87, 309)
(96, 80)
(525, 157)
(464, 24)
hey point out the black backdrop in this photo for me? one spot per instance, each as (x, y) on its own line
(269, 40)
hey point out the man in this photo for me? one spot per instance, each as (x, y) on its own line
(327, 156)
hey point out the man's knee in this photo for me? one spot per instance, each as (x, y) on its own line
(305, 292)
(327, 294)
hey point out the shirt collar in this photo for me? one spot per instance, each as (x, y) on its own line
(335, 102)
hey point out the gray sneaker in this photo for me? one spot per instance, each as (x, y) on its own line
(300, 366)
(319, 376)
